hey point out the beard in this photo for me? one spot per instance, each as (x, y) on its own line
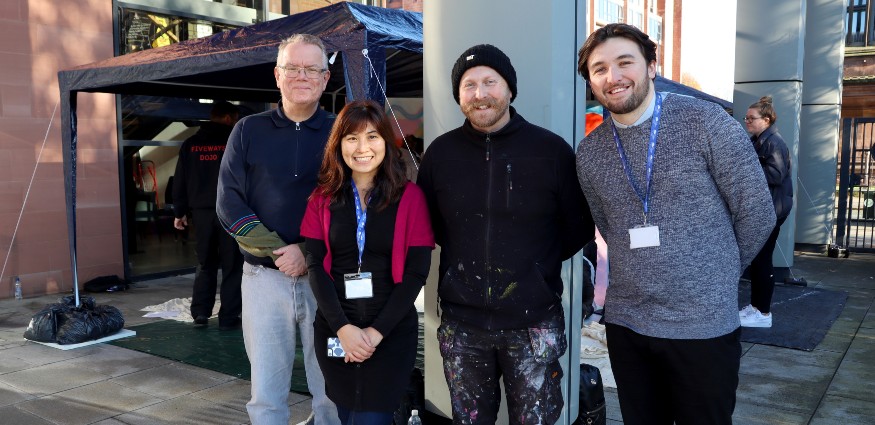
(499, 108)
(639, 93)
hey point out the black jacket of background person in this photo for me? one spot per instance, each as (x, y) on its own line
(197, 169)
(775, 160)
(506, 210)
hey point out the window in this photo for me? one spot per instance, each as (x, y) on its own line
(636, 19)
(858, 22)
(143, 30)
(654, 29)
(609, 11)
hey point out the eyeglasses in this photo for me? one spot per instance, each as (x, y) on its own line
(749, 119)
(294, 71)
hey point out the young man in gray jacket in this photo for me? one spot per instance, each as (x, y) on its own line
(677, 192)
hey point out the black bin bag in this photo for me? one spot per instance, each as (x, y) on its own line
(64, 323)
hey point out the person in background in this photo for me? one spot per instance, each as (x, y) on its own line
(506, 210)
(678, 195)
(269, 169)
(775, 161)
(194, 192)
(369, 243)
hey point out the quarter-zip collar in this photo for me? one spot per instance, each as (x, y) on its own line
(479, 138)
(315, 122)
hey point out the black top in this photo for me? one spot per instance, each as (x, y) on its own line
(270, 168)
(506, 208)
(390, 311)
(197, 169)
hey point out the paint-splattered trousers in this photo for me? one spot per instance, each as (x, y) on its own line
(527, 359)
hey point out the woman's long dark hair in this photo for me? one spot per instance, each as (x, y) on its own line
(335, 176)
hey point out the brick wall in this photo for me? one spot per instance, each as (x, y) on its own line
(38, 38)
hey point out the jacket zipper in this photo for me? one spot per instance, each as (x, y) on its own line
(487, 278)
(297, 144)
(509, 185)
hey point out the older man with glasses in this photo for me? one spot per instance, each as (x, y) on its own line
(268, 172)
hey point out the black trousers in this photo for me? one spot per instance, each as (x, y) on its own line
(682, 381)
(216, 249)
(762, 273)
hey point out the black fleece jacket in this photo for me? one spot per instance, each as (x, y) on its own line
(506, 209)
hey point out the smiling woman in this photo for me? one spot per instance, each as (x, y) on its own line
(369, 243)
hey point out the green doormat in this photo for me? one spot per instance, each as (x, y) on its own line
(206, 347)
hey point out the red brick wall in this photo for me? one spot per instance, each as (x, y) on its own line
(38, 38)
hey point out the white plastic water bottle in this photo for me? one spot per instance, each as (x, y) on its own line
(414, 418)
(18, 295)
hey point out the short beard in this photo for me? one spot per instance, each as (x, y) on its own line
(500, 106)
(639, 94)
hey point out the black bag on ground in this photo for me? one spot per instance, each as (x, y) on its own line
(43, 326)
(588, 276)
(107, 284)
(64, 323)
(592, 397)
(413, 399)
(87, 325)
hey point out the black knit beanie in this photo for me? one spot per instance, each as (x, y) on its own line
(484, 55)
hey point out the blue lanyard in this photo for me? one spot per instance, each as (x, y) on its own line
(651, 152)
(361, 216)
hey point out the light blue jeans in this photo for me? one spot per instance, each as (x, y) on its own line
(274, 307)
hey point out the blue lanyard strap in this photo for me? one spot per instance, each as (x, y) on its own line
(651, 152)
(361, 216)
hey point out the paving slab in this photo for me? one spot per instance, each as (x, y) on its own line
(171, 380)
(50, 379)
(869, 321)
(844, 411)
(116, 361)
(89, 403)
(13, 415)
(37, 354)
(11, 395)
(787, 369)
(747, 413)
(855, 381)
(839, 337)
(862, 349)
(184, 410)
(819, 358)
(780, 395)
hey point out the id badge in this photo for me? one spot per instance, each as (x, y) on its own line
(334, 348)
(643, 237)
(358, 285)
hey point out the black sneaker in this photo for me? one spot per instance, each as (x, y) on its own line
(201, 320)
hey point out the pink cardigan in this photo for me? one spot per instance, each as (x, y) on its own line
(412, 226)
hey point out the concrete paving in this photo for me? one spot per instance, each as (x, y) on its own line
(108, 385)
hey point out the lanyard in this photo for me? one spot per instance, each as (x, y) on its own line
(361, 216)
(651, 152)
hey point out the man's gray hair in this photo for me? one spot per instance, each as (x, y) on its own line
(306, 39)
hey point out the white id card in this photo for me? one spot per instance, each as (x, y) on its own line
(643, 237)
(358, 285)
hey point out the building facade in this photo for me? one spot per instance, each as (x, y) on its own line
(660, 19)
(126, 145)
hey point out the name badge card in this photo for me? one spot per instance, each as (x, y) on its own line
(643, 237)
(358, 285)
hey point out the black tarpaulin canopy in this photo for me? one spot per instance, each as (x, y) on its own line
(661, 83)
(237, 65)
